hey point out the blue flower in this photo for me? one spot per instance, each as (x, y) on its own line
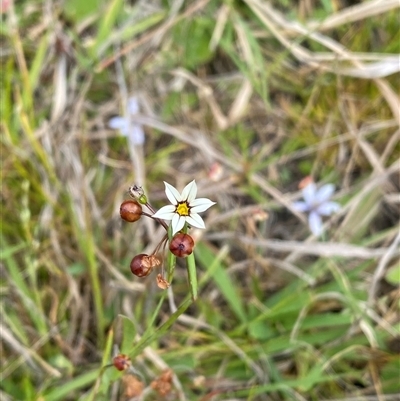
(134, 132)
(316, 204)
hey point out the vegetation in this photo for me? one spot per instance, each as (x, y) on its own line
(250, 99)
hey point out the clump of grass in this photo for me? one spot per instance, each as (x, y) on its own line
(264, 98)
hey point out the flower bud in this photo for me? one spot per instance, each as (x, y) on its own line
(137, 192)
(121, 362)
(130, 211)
(142, 264)
(181, 245)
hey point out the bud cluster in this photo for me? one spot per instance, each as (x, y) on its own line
(181, 244)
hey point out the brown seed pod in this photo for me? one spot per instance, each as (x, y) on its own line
(121, 362)
(181, 245)
(142, 264)
(130, 211)
(162, 282)
(163, 384)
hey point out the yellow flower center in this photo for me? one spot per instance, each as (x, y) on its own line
(183, 209)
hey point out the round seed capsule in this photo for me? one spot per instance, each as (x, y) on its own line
(142, 264)
(130, 211)
(121, 362)
(181, 245)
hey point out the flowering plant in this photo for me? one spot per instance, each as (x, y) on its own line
(183, 213)
(133, 131)
(317, 203)
(184, 208)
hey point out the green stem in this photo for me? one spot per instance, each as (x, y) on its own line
(96, 287)
(171, 261)
(191, 268)
(150, 337)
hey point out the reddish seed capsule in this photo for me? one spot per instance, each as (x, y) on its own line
(181, 245)
(142, 264)
(130, 211)
(121, 362)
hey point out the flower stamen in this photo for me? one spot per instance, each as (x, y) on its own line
(183, 209)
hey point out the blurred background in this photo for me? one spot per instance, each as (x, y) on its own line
(254, 100)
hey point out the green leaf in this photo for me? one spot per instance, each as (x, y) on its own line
(307, 382)
(131, 30)
(107, 23)
(79, 10)
(260, 330)
(393, 275)
(226, 284)
(60, 392)
(195, 36)
(8, 251)
(151, 335)
(76, 269)
(129, 331)
(38, 62)
(390, 376)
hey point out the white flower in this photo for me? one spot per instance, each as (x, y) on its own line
(317, 204)
(184, 208)
(134, 132)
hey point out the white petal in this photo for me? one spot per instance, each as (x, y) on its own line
(177, 223)
(200, 205)
(195, 220)
(189, 192)
(119, 123)
(172, 194)
(133, 105)
(309, 193)
(327, 208)
(324, 193)
(315, 223)
(301, 206)
(166, 212)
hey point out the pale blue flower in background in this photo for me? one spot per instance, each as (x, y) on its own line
(134, 132)
(316, 204)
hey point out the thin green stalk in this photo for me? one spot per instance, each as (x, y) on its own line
(23, 289)
(86, 242)
(96, 288)
(171, 262)
(150, 337)
(171, 258)
(191, 269)
(104, 364)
